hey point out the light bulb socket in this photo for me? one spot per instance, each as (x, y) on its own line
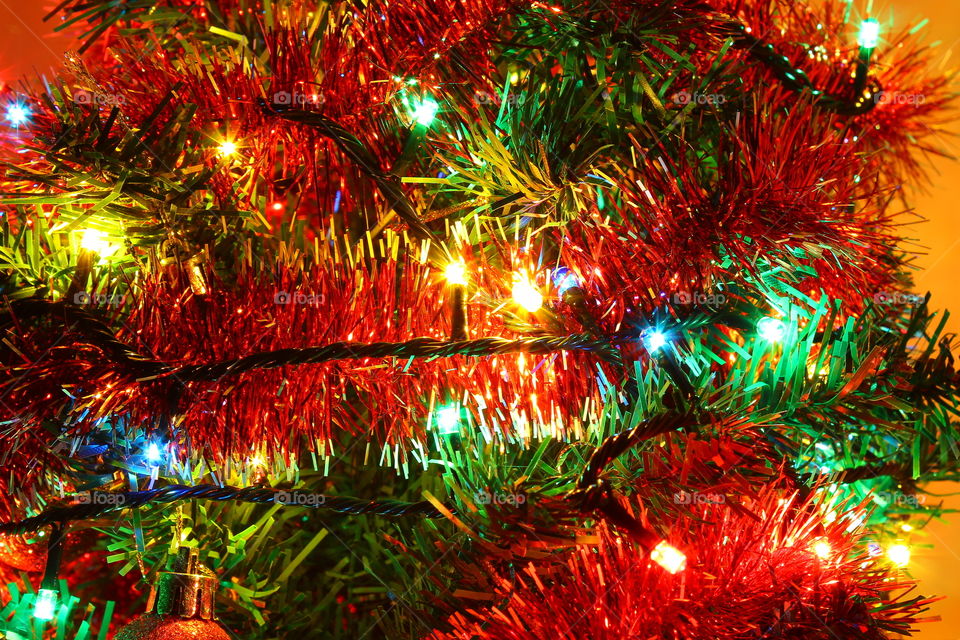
(187, 592)
(81, 273)
(458, 311)
(51, 572)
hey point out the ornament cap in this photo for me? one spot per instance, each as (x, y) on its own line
(186, 592)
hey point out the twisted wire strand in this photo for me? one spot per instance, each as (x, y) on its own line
(416, 348)
(593, 493)
(796, 79)
(144, 369)
(107, 502)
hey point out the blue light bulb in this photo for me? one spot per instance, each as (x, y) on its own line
(17, 114)
(653, 340)
(153, 454)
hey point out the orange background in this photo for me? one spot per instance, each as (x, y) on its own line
(938, 258)
(29, 49)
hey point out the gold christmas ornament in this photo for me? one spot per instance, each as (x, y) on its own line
(180, 606)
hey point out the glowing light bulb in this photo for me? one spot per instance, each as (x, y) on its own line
(45, 606)
(668, 557)
(448, 419)
(822, 373)
(653, 340)
(822, 549)
(869, 33)
(771, 329)
(153, 454)
(564, 280)
(906, 527)
(227, 148)
(424, 112)
(95, 241)
(526, 295)
(456, 273)
(899, 554)
(17, 114)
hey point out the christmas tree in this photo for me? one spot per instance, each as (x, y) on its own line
(469, 319)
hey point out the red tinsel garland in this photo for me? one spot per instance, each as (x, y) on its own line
(771, 567)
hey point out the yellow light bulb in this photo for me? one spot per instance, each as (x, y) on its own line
(822, 549)
(526, 295)
(822, 373)
(899, 554)
(456, 273)
(93, 240)
(227, 148)
(668, 557)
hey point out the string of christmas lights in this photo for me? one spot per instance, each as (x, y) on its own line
(611, 281)
(106, 502)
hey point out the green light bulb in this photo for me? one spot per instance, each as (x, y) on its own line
(869, 33)
(45, 606)
(447, 419)
(771, 329)
(425, 112)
